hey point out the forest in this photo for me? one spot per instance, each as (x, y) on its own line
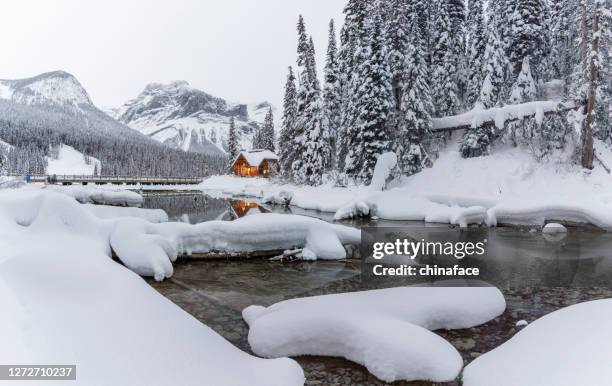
(400, 63)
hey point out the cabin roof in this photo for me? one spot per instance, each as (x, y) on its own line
(256, 157)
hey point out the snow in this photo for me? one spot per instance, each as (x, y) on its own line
(508, 187)
(387, 330)
(554, 228)
(103, 195)
(565, 347)
(256, 157)
(71, 162)
(66, 301)
(382, 170)
(478, 115)
(5, 90)
(112, 212)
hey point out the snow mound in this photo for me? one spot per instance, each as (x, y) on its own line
(554, 228)
(565, 347)
(70, 161)
(382, 170)
(66, 301)
(100, 195)
(387, 330)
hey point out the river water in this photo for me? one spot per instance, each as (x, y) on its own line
(537, 274)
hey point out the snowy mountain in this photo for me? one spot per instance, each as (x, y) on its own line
(54, 109)
(57, 88)
(186, 118)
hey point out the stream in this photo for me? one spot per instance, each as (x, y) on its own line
(540, 274)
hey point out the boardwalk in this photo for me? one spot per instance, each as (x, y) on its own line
(115, 180)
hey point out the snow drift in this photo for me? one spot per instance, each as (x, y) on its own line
(387, 330)
(565, 347)
(65, 301)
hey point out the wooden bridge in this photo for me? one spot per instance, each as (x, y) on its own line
(114, 180)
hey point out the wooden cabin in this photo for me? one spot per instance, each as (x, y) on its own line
(256, 163)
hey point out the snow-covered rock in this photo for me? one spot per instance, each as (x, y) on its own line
(565, 347)
(64, 300)
(387, 330)
(282, 197)
(101, 195)
(69, 161)
(554, 227)
(189, 119)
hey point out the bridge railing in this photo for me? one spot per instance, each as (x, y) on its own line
(64, 178)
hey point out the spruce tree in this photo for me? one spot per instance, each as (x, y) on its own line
(288, 130)
(493, 87)
(332, 94)
(445, 63)
(267, 132)
(353, 35)
(369, 109)
(397, 44)
(527, 34)
(476, 50)
(232, 142)
(311, 144)
(416, 105)
(524, 88)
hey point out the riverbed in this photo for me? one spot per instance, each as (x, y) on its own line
(548, 273)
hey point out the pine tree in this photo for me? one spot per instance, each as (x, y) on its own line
(352, 36)
(288, 129)
(445, 87)
(232, 142)
(524, 88)
(416, 105)
(397, 45)
(311, 144)
(369, 107)
(476, 50)
(527, 34)
(267, 132)
(492, 91)
(332, 94)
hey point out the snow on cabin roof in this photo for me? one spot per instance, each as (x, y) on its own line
(256, 157)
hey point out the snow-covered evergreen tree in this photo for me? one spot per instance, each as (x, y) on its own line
(232, 142)
(524, 88)
(267, 132)
(312, 144)
(397, 44)
(288, 130)
(354, 33)
(416, 106)
(494, 74)
(445, 88)
(476, 50)
(369, 107)
(528, 34)
(332, 94)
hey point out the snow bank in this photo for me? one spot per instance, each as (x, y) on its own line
(566, 347)
(388, 330)
(70, 161)
(65, 301)
(508, 187)
(149, 249)
(100, 195)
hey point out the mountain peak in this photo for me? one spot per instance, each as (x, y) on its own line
(56, 88)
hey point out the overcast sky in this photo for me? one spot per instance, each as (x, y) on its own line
(236, 49)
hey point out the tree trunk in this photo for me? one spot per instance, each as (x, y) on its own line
(587, 134)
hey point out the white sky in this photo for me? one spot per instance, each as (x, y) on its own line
(235, 49)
